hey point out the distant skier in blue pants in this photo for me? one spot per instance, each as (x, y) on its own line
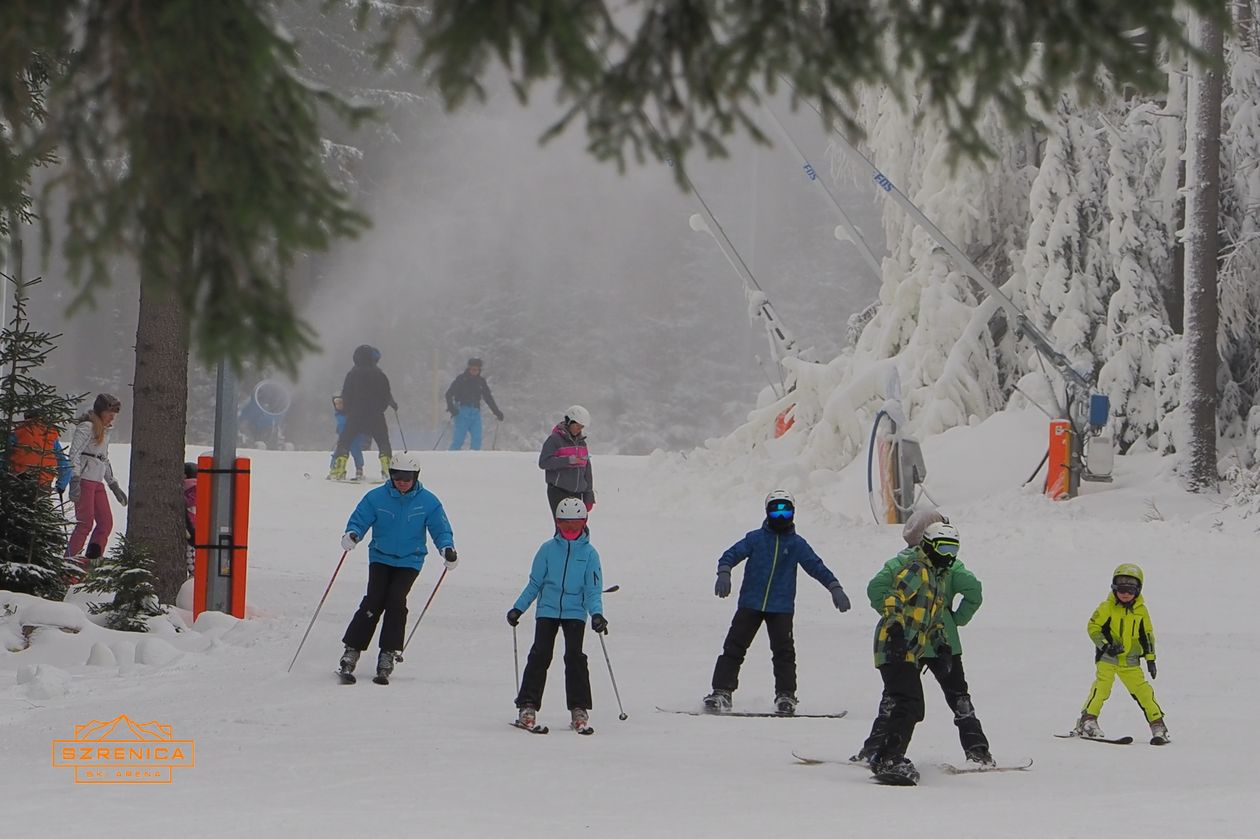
(463, 402)
(357, 445)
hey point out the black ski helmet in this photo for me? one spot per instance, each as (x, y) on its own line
(474, 362)
(190, 470)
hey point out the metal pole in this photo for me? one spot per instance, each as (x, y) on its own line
(218, 578)
(422, 611)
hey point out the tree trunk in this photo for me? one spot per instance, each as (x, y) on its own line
(155, 519)
(1199, 364)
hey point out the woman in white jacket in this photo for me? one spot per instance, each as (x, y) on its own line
(89, 458)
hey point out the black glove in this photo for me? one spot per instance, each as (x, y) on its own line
(896, 642)
(722, 588)
(1150, 667)
(498, 415)
(599, 624)
(514, 616)
(452, 558)
(1112, 648)
(945, 655)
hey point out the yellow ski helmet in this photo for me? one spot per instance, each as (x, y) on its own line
(1127, 574)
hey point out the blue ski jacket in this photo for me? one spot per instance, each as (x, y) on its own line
(770, 576)
(565, 579)
(398, 524)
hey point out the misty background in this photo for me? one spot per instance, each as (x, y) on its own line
(574, 282)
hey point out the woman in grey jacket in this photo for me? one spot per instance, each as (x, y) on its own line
(92, 472)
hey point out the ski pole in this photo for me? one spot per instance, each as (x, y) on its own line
(422, 611)
(443, 434)
(401, 435)
(516, 662)
(613, 678)
(317, 608)
(494, 443)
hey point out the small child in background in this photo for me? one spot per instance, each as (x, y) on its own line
(1123, 635)
(567, 581)
(356, 446)
(190, 513)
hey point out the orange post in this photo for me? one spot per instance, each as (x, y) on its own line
(208, 552)
(1059, 461)
(240, 535)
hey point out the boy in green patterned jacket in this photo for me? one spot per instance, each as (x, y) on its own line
(911, 625)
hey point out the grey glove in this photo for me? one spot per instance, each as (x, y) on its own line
(838, 598)
(75, 488)
(118, 493)
(348, 541)
(1150, 667)
(1112, 648)
(722, 588)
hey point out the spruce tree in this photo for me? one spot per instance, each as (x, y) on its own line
(128, 573)
(32, 527)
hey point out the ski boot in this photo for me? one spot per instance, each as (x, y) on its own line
(338, 470)
(385, 460)
(1159, 733)
(384, 666)
(718, 702)
(979, 755)
(897, 771)
(1087, 726)
(349, 658)
(581, 721)
(785, 705)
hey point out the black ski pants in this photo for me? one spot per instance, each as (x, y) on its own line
(387, 591)
(577, 675)
(903, 701)
(372, 425)
(743, 629)
(954, 687)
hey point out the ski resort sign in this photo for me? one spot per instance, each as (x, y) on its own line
(122, 751)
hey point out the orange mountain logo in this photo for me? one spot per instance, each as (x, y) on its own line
(123, 751)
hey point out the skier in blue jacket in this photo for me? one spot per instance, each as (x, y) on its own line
(398, 513)
(567, 582)
(768, 595)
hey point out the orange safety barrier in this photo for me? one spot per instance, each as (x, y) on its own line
(1059, 460)
(209, 549)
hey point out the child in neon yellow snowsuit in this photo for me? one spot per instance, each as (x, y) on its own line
(1123, 635)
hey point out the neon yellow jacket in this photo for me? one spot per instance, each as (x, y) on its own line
(1128, 625)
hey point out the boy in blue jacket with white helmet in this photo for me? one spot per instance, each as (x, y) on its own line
(768, 595)
(566, 580)
(398, 514)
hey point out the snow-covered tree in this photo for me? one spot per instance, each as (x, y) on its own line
(128, 573)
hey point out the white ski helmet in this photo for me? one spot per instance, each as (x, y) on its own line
(405, 462)
(570, 509)
(578, 414)
(780, 495)
(941, 543)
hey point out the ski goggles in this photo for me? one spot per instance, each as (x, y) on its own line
(781, 511)
(949, 549)
(1125, 588)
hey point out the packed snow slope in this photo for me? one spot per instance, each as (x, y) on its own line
(297, 754)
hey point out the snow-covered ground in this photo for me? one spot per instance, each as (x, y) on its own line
(296, 754)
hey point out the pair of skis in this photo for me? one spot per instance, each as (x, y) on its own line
(903, 780)
(538, 728)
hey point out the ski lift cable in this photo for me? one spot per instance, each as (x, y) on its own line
(855, 235)
(1022, 323)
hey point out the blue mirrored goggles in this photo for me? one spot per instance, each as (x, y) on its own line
(944, 548)
(781, 511)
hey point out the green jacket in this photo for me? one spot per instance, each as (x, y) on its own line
(916, 602)
(954, 581)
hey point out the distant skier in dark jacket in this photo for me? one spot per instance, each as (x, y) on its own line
(566, 460)
(768, 595)
(463, 402)
(366, 395)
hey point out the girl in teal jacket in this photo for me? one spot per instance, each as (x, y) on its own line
(566, 582)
